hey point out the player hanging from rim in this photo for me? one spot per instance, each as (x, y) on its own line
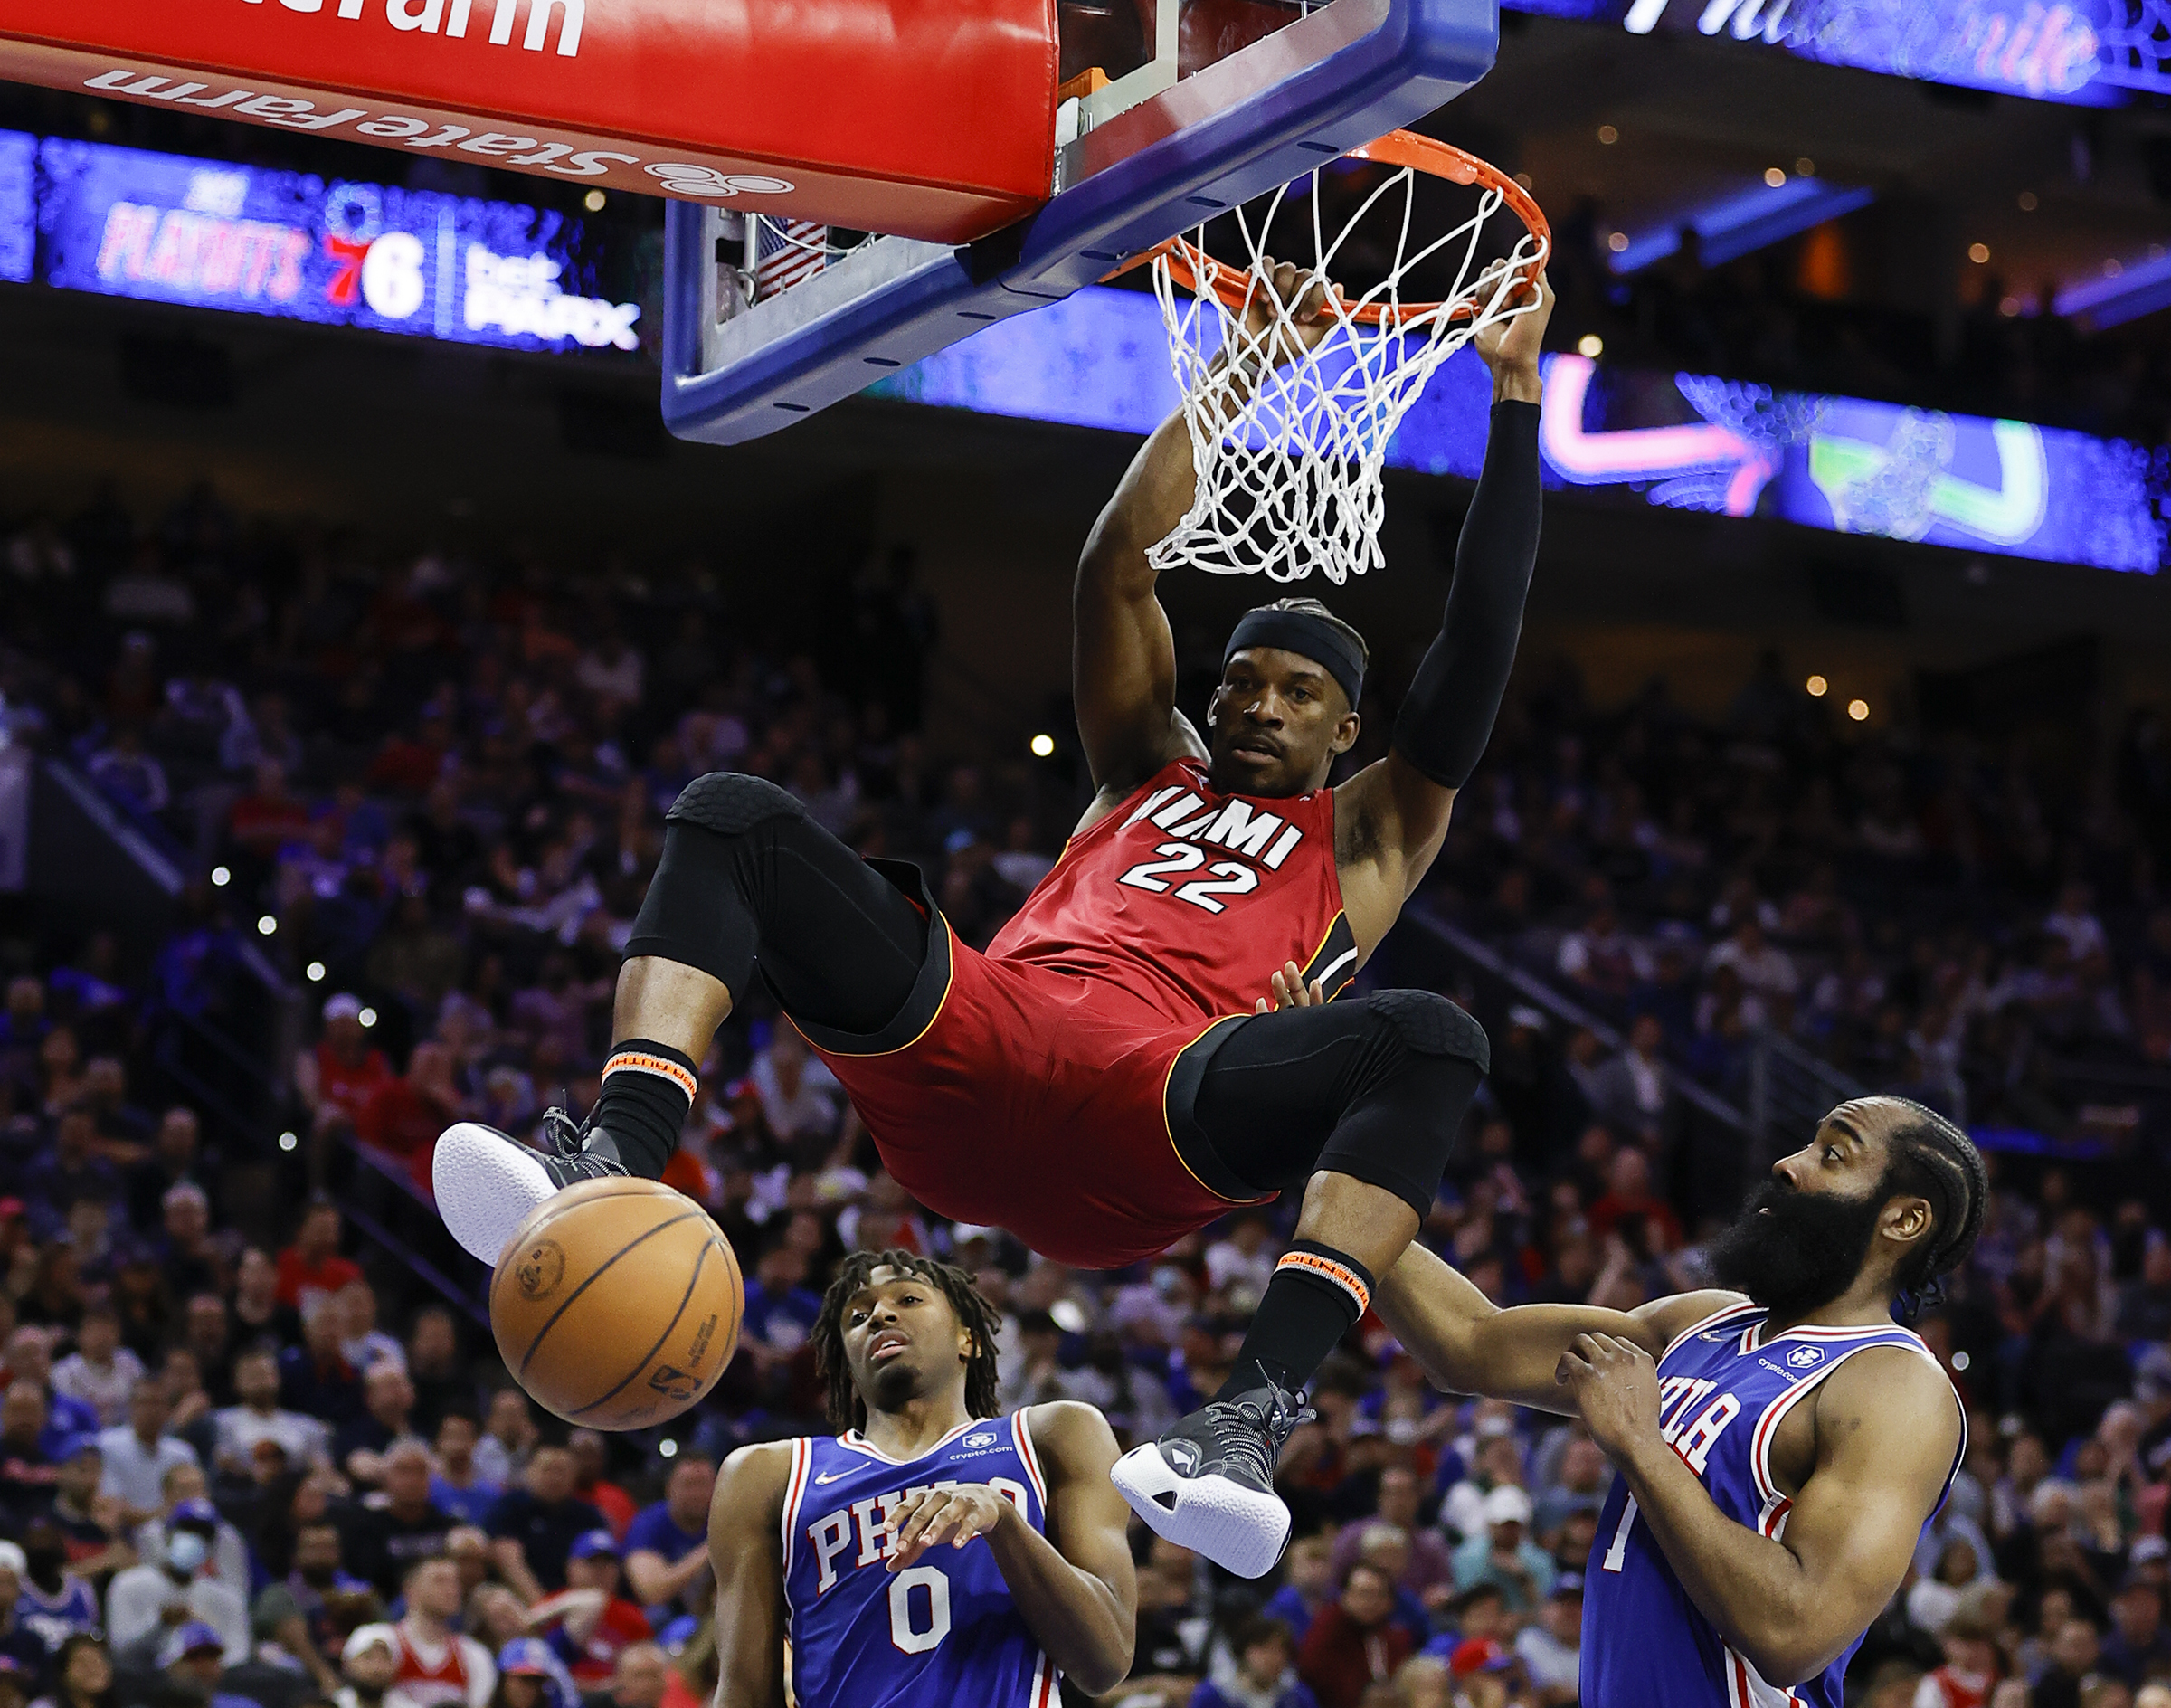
(1096, 1082)
(1782, 1446)
(930, 1554)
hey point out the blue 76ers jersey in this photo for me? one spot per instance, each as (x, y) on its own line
(943, 1633)
(1722, 1394)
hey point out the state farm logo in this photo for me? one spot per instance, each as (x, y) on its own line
(685, 178)
(451, 18)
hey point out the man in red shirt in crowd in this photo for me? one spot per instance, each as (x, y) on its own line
(1354, 1642)
(311, 1268)
(595, 1623)
(270, 815)
(338, 1078)
(1628, 1193)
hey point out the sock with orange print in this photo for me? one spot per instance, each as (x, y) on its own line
(1316, 1296)
(648, 1088)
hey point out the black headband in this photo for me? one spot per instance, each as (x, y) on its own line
(1301, 632)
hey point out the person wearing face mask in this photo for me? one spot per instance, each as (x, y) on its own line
(138, 1602)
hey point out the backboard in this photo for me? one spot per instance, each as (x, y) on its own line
(1205, 108)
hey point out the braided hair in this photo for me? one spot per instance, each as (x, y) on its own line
(1932, 1159)
(975, 1315)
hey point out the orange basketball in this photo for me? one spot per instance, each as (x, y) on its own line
(617, 1304)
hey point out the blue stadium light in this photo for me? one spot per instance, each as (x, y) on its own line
(1751, 219)
(266, 926)
(288, 1141)
(667, 1448)
(316, 973)
(2137, 288)
(221, 877)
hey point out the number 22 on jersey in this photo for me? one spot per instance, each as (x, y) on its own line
(1171, 860)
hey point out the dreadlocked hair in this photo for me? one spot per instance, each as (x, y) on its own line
(1932, 1159)
(846, 1408)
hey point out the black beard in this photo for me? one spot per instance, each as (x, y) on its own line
(1802, 1256)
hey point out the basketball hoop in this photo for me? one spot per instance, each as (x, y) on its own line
(1289, 444)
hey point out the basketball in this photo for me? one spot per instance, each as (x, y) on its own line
(616, 1303)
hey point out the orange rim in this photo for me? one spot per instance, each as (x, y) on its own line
(1196, 269)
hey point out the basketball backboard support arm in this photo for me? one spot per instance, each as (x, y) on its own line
(1331, 81)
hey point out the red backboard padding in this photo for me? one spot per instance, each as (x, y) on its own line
(929, 118)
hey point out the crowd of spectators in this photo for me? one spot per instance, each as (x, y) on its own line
(236, 1464)
(1982, 923)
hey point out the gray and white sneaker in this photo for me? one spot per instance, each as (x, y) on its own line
(1208, 1482)
(487, 1182)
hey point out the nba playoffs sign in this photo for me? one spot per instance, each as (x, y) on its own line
(167, 228)
(2088, 52)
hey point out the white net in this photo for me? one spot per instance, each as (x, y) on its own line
(1289, 442)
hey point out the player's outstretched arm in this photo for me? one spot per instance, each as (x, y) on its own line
(1887, 1428)
(1466, 1344)
(747, 1552)
(1122, 652)
(1075, 1587)
(1394, 812)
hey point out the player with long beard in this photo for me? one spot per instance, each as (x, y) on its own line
(930, 1554)
(1781, 1444)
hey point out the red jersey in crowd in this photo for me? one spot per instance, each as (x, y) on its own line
(456, 1673)
(347, 1086)
(1950, 1687)
(620, 1626)
(298, 1279)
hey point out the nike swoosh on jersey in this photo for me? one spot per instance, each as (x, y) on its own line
(833, 1476)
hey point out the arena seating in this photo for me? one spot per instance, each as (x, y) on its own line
(441, 782)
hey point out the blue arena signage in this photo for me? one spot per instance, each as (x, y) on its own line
(212, 234)
(2090, 53)
(1676, 441)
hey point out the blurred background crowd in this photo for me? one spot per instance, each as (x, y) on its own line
(254, 1444)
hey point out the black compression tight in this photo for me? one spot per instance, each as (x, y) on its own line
(746, 876)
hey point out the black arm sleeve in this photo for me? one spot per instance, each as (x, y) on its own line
(1447, 719)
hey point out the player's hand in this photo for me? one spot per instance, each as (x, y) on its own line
(1616, 1388)
(955, 1515)
(1308, 320)
(1510, 345)
(1290, 990)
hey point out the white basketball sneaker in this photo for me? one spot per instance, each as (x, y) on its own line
(1208, 1482)
(487, 1182)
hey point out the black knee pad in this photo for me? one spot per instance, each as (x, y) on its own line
(1400, 1123)
(1433, 1026)
(728, 803)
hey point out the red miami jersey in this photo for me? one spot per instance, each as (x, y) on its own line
(1044, 1086)
(1186, 901)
